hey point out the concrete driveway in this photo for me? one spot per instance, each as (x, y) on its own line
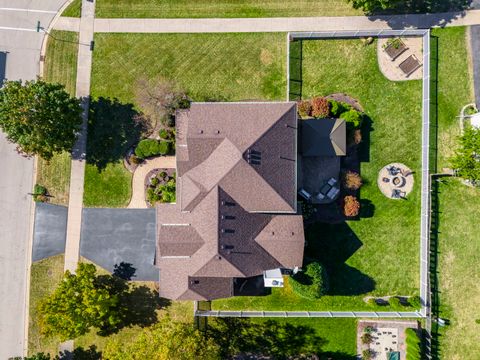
(21, 43)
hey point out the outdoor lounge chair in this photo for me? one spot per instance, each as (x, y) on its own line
(409, 65)
(395, 48)
(320, 196)
(303, 193)
(332, 181)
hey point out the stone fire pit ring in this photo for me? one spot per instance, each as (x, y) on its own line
(395, 181)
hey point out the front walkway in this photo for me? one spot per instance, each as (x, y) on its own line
(138, 182)
(326, 23)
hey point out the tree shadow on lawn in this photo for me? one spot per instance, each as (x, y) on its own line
(138, 304)
(280, 340)
(451, 9)
(81, 354)
(332, 245)
(113, 127)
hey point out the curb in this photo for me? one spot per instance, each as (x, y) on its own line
(43, 49)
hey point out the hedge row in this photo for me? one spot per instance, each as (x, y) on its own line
(151, 147)
(414, 345)
(319, 107)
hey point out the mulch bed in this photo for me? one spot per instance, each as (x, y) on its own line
(154, 173)
(346, 99)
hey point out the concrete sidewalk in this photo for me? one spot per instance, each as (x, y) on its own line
(77, 174)
(463, 18)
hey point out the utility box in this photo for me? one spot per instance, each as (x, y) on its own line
(273, 278)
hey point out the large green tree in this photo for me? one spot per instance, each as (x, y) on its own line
(370, 6)
(40, 117)
(466, 160)
(166, 340)
(81, 301)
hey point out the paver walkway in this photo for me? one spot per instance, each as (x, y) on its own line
(77, 174)
(138, 183)
(332, 23)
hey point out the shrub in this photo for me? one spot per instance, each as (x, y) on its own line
(352, 180)
(467, 159)
(414, 345)
(337, 107)
(367, 338)
(304, 108)
(357, 136)
(151, 147)
(395, 302)
(320, 107)
(369, 329)
(152, 196)
(372, 302)
(351, 206)
(154, 181)
(163, 133)
(312, 283)
(162, 174)
(367, 354)
(415, 302)
(352, 117)
(40, 193)
(134, 159)
(307, 210)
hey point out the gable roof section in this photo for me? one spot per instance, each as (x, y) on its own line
(223, 142)
(324, 137)
(283, 238)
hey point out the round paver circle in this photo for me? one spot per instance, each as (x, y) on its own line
(395, 180)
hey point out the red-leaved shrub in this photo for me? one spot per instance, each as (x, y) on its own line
(304, 108)
(351, 206)
(352, 180)
(320, 107)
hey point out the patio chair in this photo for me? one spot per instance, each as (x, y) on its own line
(395, 48)
(405, 172)
(409, 65)
(332, 181)
(385, 180)
(395, 194)
(305, 194)
(320, 196)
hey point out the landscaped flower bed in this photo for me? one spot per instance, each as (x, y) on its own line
(160, 186)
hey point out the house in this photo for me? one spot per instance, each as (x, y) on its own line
(235, 215)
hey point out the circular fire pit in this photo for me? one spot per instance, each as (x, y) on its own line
(395, 181)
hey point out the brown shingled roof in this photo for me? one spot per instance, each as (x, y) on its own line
(234, 161)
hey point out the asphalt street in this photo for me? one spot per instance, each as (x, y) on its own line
(22, 43)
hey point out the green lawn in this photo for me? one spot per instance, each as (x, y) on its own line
(60, 66)
(207, 66)
(455, 87)
(214, 8)
(458, 270)
(458, 244)
(377, 255)
(45, 275)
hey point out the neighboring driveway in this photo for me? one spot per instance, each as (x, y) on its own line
(112, 236)
(49, 231)
(15, 184)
